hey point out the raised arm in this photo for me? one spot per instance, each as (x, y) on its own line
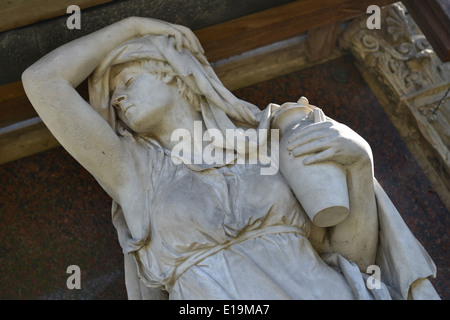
(50, 85)
(76, 60)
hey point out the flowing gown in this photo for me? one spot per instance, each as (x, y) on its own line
(231, 233)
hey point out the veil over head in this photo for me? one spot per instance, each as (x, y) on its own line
(222, 110)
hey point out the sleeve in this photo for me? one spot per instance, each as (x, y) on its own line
(402, 259)
(136, 290)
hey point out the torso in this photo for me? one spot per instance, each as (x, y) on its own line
(192, 211)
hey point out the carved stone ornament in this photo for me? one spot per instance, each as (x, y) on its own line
(197, 215)
(400, 61)
(399, 53)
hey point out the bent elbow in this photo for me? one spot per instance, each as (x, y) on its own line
(27, 76)
(30, 79)
(37, 83)
(39, 89)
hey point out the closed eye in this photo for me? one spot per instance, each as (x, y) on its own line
(129, 81)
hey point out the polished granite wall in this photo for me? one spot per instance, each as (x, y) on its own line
(53, 214)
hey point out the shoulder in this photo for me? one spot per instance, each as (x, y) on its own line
(142, 158)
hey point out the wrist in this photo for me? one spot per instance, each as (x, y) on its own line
(131, 24)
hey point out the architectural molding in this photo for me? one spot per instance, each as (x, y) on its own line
(411, 83)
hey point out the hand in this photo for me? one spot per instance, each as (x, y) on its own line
(192, 40)
(329, 141)
(184, 36)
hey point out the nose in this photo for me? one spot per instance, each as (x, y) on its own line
(116, 102)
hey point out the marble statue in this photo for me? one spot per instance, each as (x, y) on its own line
(200, 229)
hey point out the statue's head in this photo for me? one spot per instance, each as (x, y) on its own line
(186, 71)
(145, 75)
(141, 91)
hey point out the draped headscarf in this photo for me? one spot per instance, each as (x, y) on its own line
(222, 109)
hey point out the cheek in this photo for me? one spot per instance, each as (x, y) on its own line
(143, 117)
(151, 101)
(158, 95)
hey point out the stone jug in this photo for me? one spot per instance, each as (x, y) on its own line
(321, 187)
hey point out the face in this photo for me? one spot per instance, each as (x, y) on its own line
(141, 99)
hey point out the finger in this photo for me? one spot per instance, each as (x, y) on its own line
(187, 44)
(310, 129)
(326, 155)
(309, 138)
(202, 58)
(196, 52)
(199, 45)
(312, 147)
(305, 139)
(179, 42)
(190, 42)
(193, 41)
